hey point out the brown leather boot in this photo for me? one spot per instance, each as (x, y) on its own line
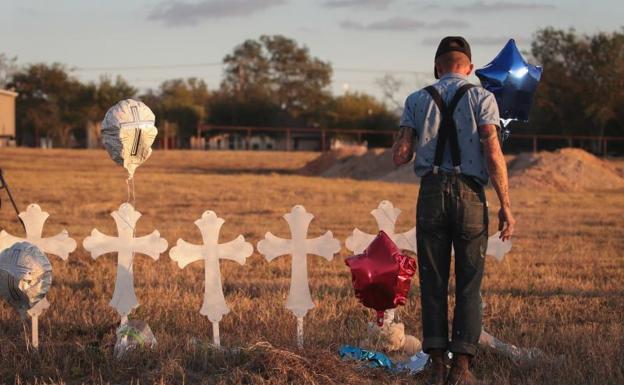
(437, 367)
(460, 371)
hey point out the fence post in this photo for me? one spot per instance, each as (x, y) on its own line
(288, 139)
(534, 144)
(605, 153)
(322, 140)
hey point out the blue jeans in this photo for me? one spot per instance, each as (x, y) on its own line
(452, 210)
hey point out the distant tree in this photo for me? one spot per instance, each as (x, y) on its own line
(582, 83)
(249, 110)
(51, 102)
(99, 97)
(180, 105)
(277, 69)
(390, 87)
(359, 110)
(8, 66)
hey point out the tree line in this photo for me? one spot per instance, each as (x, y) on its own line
(271, 81)
(274, 81)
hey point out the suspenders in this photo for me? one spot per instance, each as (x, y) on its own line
(447, 129)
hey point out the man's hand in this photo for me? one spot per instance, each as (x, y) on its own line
(403, 148)
(506, 223)
(497, 167)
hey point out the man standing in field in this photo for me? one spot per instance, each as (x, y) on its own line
(455, 126)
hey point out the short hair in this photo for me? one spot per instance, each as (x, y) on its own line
(451, 59)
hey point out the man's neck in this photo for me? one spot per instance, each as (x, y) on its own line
(453, 75)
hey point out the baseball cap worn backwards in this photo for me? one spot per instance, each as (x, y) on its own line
(452, 44)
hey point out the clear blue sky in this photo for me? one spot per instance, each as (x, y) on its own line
(106, 37)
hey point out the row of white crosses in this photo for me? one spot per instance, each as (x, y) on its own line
(211, 251)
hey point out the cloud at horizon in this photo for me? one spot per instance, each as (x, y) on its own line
(179, 13)
(377, 4)
(502, 6)
(481, 40)
(402, 24)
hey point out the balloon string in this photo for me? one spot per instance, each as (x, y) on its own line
(131, 194)
(132, 201)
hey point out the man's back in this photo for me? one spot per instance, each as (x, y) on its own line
(478, 107)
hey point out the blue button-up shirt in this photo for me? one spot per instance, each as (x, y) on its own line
(477, 108)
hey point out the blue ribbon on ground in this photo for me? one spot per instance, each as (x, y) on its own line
(374, 359)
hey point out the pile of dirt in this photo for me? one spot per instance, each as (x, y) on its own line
(328, 159)
(372, 164)
(568, 169)
(355, 163)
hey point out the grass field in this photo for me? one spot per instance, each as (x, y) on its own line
(560, 290)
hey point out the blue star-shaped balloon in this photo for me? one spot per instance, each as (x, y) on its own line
(513, 82)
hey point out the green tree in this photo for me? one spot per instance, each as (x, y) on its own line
(278, 69)
(180, 105)
(51, 103)
(8, 66)
(359, 110)
(583, 81)
(99, 97)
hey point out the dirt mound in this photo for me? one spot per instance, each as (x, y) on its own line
(373, 164)
(329, 158)
(358, 163)
(568, 169)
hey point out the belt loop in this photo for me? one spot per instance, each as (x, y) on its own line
(457, 170)
(436, 169)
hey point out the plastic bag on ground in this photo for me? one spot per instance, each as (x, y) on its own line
(133, 334)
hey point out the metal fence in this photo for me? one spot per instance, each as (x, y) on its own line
(285, 139)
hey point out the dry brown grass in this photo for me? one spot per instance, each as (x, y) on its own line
(560, 290)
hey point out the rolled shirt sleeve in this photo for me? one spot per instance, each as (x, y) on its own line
(487, 111)
(408, 118)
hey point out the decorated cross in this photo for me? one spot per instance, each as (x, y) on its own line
(299, 299)
(386, 215)
(211, 252)
(126, 217)
(60, 245)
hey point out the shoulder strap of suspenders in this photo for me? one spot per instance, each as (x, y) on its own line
(447, 130)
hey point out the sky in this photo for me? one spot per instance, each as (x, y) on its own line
(148, 42)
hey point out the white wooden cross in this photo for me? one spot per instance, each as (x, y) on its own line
(211, 252)
(299, 299)
(386, 215)
(124, 298)
(60, 245)
(34, 219)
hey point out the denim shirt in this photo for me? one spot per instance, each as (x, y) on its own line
(477, 108)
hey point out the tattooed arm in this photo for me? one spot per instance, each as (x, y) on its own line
(403, 148)
(497, 168)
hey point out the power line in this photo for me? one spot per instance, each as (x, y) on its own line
(146, 67)
(215, 64)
